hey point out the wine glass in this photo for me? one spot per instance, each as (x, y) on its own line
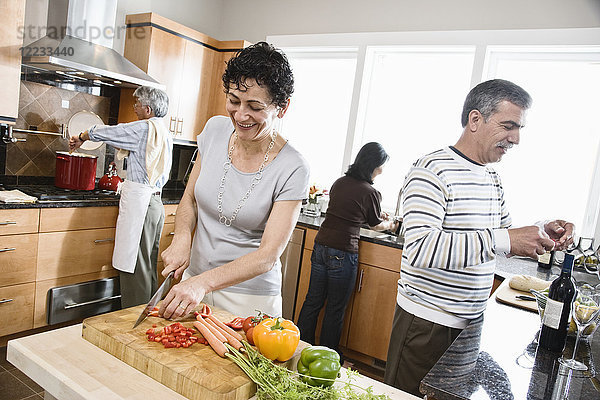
(585, 310)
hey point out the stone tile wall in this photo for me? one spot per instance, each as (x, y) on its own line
(41, 108)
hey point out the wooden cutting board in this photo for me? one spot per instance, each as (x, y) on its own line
(196, 372)
(507, 295)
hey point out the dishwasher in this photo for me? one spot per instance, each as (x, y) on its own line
(290, 271)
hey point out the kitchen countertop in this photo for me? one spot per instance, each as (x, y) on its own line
(69, 367)
(168, 197)
(495, 358)
(389, 240)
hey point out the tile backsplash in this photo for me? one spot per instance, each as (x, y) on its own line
(46, 108)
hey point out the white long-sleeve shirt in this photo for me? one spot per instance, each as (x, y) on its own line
(455, 222)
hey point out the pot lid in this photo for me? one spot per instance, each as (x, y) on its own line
(82, 121)
(66, 153)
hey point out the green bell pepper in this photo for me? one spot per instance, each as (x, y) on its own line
(319, 362)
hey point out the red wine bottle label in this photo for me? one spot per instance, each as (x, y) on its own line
(552, 313)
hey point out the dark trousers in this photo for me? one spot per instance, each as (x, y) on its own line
(139, 286)
(332, 278)
(415, 346)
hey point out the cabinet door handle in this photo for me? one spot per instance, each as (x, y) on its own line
(8, 223)
(179, 127)
(74, 305)
(171, 127)
(7, 249)
(5, 300)
(360, 279)
(104, 240)
(171, 233)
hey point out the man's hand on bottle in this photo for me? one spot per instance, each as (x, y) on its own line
(529, 241)
(561, 232)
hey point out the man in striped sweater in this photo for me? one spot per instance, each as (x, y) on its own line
(455, 224)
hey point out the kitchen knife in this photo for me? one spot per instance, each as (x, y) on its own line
(527, 298)
(155, 299)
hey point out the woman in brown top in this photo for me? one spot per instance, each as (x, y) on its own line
(334, 261)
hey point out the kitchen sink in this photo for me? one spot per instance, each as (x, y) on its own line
(376, 234)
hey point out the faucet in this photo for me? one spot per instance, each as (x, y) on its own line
(7, 134)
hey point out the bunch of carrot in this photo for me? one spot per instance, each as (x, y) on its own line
(217, 333)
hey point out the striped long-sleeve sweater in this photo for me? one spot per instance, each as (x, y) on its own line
(453, 209)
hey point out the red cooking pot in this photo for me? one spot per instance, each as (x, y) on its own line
(75, 171)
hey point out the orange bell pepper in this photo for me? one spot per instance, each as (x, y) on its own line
(276, 338)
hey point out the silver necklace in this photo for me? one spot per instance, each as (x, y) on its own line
(255, 179)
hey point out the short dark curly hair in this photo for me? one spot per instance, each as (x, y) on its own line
(268, 66)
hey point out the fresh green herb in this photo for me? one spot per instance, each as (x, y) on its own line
(275, 382)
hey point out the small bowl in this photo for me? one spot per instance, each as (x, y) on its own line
(541, 299)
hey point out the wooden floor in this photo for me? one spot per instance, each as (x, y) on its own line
(14, 384)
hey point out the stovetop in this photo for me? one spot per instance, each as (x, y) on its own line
(50, 193)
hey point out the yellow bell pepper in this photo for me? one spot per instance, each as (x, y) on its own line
(276, 338)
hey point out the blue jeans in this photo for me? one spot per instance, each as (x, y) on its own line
(332, 278)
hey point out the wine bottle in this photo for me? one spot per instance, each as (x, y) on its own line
(546, 260)
(558, 309)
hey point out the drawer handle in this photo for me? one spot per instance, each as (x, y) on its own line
(7, 249)
(8, 223)
(171, 233)
(5, 301)
(173, 214)
(360, 279)
(104, 240)
(86, 303)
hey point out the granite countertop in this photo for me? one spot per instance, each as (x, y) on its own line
(495, 357)
(168, 197)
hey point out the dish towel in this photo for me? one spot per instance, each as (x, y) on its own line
(156, 151)
(16, 196)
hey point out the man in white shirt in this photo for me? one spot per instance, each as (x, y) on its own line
(148, 146)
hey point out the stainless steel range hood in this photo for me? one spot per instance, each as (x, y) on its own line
(79, 36)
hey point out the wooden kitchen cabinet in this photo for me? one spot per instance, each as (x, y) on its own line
(16, 308)
(370, 311)
(170, 213)
(18, 258)
(15, 221)
(70, 253)
(75, 245)
(166, 238)
(75, 218)
(373, 311)
(13, 17)
(187, 62)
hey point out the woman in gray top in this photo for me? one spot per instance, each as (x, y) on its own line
(243, 197)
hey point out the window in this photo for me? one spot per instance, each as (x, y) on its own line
(549, 174)
(317, 120)
(410, 87)
(413, 103)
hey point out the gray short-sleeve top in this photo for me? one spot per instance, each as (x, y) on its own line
(214, 244)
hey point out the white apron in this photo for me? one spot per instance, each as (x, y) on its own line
(135, 198)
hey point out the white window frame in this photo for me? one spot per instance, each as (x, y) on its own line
(572, 39)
